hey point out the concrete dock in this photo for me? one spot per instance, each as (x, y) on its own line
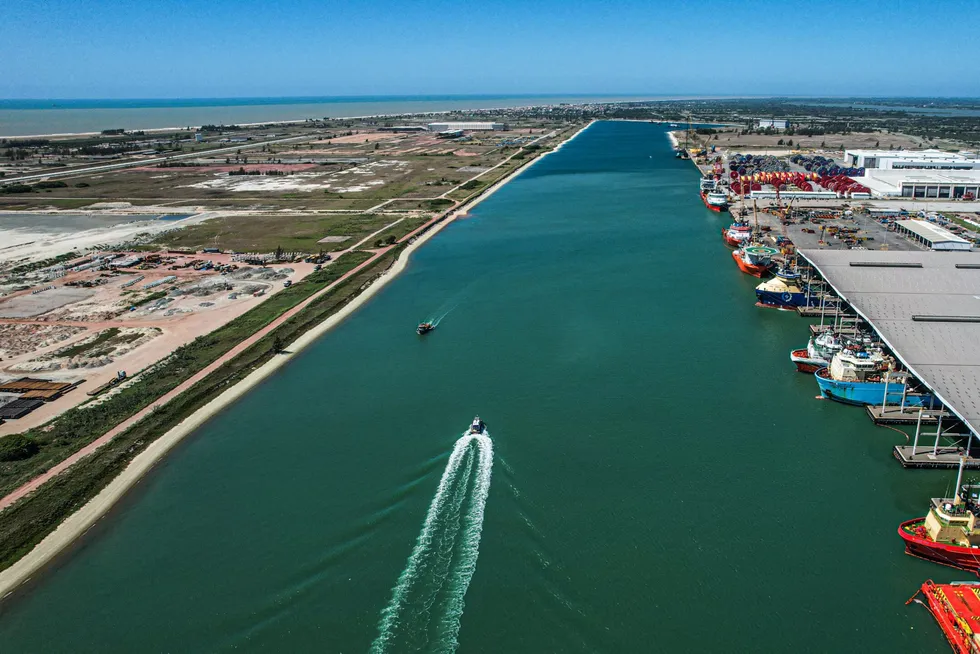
(896, 415)
(923, 457)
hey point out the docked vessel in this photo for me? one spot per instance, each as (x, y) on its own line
(866, 376)
(956, 608)
(715, 200)
(424, 328)
(737, 234)
(782, 291)
(755, 260)
(817, 353)
(477, 426)
(949, 533)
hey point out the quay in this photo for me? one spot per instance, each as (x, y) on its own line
(934, 458)
(898, 415)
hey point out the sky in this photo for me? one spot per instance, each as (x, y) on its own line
(246, 48)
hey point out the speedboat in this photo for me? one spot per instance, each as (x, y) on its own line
(424, 328)
(478, 426)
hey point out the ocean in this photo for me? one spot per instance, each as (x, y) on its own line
(34, 117)
(656, 476)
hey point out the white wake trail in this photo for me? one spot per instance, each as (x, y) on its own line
(433, 584)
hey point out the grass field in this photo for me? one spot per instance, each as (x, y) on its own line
(293, 233)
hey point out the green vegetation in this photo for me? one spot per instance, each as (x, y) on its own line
(152, 297)
(17, 447)
(298, 233)
(38, 265)
(438, 204)
(471, 185)
(51, 184)
(16, 188)
(85, 347)
(31, 519)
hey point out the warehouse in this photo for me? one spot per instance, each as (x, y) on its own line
(923, 184)
(469, 127)
(767, 123)
(932, 236)
(910, 160)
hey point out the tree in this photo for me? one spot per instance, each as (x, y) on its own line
(278, 345)
(779, 142)
(789, 142)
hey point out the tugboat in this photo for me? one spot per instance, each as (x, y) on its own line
(737, 234)
(478, 426)
(817, 353)
(715, 200)
(755, 260)
(866, 376)
(949, 533)
(424, 328)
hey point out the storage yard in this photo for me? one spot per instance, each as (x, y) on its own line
(97, 321)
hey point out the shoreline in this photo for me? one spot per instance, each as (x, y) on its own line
(79, 522)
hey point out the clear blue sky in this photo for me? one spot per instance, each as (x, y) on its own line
(229, 48)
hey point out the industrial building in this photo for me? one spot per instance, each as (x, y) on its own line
(910, 160)
(922, 184)
(469, 127)
(403, 129)
(923, 306)
(772, 123)
(932, 236)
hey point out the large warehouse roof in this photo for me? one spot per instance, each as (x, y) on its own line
(925, 306)
(934, 236)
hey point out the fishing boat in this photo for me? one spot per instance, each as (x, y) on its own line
(424, 328)
(956, 608)
(477, 426)
(818, 352)
(755, 260)
(866, 376)
(782, 291)
(949, 533)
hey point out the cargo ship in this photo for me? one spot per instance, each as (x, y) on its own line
(755, 260)
(866, 376)
(817, 353)
(949, 533)
(782, 292)
(956, 608)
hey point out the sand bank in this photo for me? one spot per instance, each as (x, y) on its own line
(82, 520)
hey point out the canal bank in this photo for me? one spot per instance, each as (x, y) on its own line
(659, 465)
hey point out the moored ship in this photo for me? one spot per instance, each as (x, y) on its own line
(755, 260)
(817, 353)
(949, 533)
(715, 200)
(956, 608)
(737, 234)
(782, 292)
(866, 376)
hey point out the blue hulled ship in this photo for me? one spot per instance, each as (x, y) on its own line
(864, 377)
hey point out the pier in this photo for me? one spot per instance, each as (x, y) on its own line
(933, 458)
(899, 415)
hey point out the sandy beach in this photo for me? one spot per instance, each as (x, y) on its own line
(82, 520)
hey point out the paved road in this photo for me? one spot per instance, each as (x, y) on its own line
(56, 470)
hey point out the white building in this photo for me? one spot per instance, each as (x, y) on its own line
(922, 184)
(910, 160)
(470, 127)
(932, 236)
(766, 123)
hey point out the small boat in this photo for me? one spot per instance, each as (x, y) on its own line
(949, 533)
(478, 426)
(865, 376)
(818, 352)
(755, 260)
(424, 328)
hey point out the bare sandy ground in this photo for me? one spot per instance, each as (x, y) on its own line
(79, 522)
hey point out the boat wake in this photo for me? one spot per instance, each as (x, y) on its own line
(438, 319)
(427, 601)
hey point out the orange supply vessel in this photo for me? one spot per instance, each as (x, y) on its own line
(956, 607)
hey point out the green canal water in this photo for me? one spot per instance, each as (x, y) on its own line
(663, 479)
